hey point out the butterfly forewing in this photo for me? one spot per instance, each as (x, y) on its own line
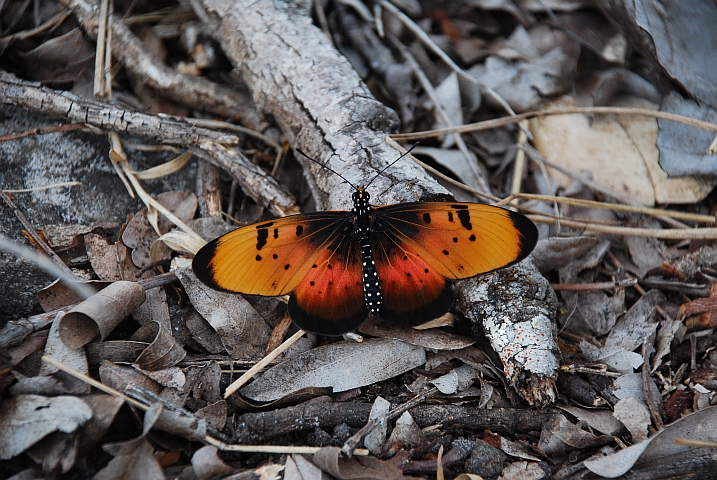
(459, 240)
(268, 258)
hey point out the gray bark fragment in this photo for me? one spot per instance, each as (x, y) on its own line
(515, 308)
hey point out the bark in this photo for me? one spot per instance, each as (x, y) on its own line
(316, 97)
(256, 428)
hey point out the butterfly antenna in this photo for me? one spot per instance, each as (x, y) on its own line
(391, 164)
(326, 167)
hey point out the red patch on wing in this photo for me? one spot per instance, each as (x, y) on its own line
(413, 291)
(329, 300)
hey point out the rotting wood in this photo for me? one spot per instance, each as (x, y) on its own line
(324, 108)
(196, 92)
(260, 427)
(210, 145)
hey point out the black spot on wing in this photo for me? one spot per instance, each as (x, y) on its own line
(276, 233)
(258, 257)
(465, 217)
(299, 230)
(287, 266)
(261, 235)
(427, 218)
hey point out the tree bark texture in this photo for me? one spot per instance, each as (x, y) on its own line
(317, 98)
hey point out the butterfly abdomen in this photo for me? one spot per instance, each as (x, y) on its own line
(362, 214)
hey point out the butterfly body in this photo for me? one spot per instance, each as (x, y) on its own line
(397, 261)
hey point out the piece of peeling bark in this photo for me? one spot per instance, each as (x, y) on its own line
(324, 108)
(515, 307)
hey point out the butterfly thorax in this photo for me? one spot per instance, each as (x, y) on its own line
(362, 214)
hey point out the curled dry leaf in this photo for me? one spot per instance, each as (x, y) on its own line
(242, 330)
(25, 419)
(432, 339)
(116, 351)
(638, 324)
(57, 294)
(661, 450)
(342, 366)
(139, 235)
(163, 350)
(97, 316)
(206, 463)
(560, 435)
(329, 460)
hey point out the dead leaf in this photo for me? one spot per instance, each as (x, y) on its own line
(635, 416)
(560, 435)
(329, 460)
(96, 317)
(376, 438)
(133, 461)
(601, 420)
(299, 468)
(163, 350)
(661, 449)
(110, 262)
(26, 419)
(579, 143)
(60, 59)
(243, 331)
(432, 339)
(638, 324)
(406, 433)
(342, 366)
(206, 463)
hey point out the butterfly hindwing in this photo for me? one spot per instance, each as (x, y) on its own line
(329, 300)
(413, 291)
(459, 240)
(268, 258)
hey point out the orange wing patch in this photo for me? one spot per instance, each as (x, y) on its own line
(330, 298)
(459, 240)
(269, 258)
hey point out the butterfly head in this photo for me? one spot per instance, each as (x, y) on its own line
(361, 196)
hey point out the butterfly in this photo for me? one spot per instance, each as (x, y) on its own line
(398, 262)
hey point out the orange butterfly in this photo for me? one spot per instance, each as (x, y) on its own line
(397, 262)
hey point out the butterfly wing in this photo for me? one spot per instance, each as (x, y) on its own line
(268, 258)
(315, 256)
(421, 247)
(329, 300)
